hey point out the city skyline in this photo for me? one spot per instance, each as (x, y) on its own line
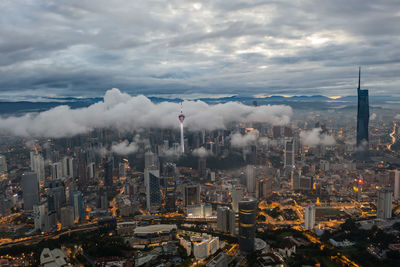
(199, 133)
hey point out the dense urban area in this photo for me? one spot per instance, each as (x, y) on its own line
(318, 191)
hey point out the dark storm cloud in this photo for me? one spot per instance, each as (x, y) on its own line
(247, 47)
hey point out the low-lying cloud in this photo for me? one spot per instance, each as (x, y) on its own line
(125, 148)
(128, 113)
(316, 137)
(242, 140)
(201, 152)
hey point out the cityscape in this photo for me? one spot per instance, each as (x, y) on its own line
(295, 163)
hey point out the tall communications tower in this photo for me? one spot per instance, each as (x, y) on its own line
(181, 119)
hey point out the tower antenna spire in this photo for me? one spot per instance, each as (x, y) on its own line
(181, 118)
(359, 78)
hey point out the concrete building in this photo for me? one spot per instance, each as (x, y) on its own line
(91, 170)
(201, 166)
(384, 204)
(52, 258)
(202, 210)
(221, 260)
(68, 167)
(309, 217)
(67, 216)
(204, 246)
(154, 233)
(57, 171)
(263, 188)
(396, 185)
(289, 154)
(192, 195)
(40, 213)
(56, 195)
(37, 165)
(250, 179)
(226, 220)
(30, 190)
(236, 196)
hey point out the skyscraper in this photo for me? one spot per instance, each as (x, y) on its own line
(309, 217)
(68, 167)
(250, 179)
(201, 166)
(57, 171)
(247, 224)
(236, 195)
(150, 160)
(79, 213)
(192, 194)
(108, 173)
(396, 184)
(226, 220)
(289, 154)
(40, 213)
(91, 170)
(37, 165)
(263, 187)
(30, 190)
(56, 195)
(362, 121)
(152, 183)
(384, 204)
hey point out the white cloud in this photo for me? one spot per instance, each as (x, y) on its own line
(201, 152)
(125, 148)
(315, 137)
(242, 140)
(128, 113)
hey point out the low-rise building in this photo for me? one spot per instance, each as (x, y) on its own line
(53, 258)
(154, 233)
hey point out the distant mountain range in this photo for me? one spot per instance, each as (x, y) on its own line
(314, 102)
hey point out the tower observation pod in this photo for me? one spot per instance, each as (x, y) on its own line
(181, 118)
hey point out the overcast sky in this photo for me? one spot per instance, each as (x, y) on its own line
(83, 48)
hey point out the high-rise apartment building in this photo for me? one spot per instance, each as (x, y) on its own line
(226, 220)
(384, 204)
(309, 217)
(250, 179)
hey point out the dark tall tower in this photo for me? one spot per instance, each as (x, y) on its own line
(362, 121)
(247, 224)
(108, 173)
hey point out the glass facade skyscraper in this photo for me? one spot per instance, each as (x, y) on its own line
(362, 122)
